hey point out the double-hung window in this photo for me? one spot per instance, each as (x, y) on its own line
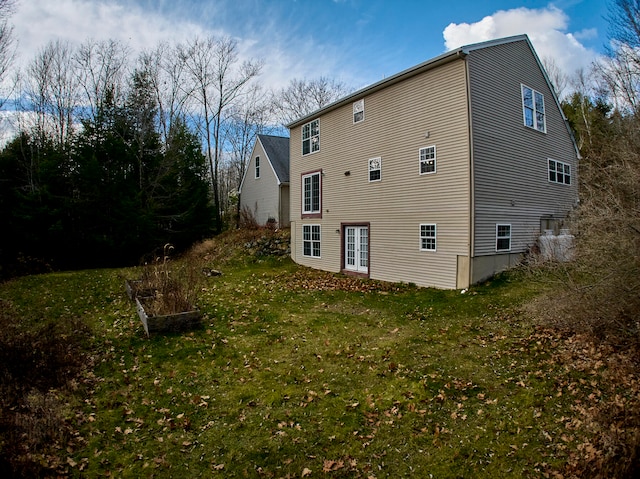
(503, 237)
(358, 111)
(559, 172)
(257, 167)
(311, 240)
(312, 195)
(533, 109)
(427, 237)
(311, 137)
(375, 169)
(428, 160)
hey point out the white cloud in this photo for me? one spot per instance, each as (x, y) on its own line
(37, 22)
(546, 28)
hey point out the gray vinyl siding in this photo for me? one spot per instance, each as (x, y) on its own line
(261, 195)
(509, 159)
(397, 119)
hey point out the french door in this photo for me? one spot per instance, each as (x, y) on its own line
(356, 248)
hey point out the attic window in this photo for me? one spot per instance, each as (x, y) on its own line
(358, 111)
(533, 109)
(257, 167)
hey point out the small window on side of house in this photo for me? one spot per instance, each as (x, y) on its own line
(358, 111)
(257, 167)
(559, 172)
(503, 237)
(311, 240)
(311, 137)
(375, 169)
(428, 160)
(427, 237)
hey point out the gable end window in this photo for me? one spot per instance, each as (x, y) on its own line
(311, 240)
(311, 137)
(358, 111)
(427, 237)
(503, 237)
(533, 109)
(257, 167)
(428, 160)
(375, 169)
(559, 172)
(312, 195)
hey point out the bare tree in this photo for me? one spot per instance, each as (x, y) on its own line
(166, 74)
(53, 90)
(302, 97)
(620, 72)
(7, 39)
(620, 75)
(624, 22)
(244, 123)
(217, 79)
(101, 67)
(559, 79)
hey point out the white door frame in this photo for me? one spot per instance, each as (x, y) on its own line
(356, 247)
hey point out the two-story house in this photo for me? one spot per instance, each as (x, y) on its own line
(264, 190)
(441, 175)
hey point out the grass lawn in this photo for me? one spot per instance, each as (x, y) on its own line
(300, 373)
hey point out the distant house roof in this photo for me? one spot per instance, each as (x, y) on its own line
(277, 150)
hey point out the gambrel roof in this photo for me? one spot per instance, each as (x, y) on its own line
(460, 52)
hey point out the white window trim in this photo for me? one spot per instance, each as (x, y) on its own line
(312, 241)
(556, 182)
(535, 117)
(503, 237)
(257, 168)
(319, 210)
(377, 169)
(434, 237)
(435, 160)
(358, 106)
(311, 151)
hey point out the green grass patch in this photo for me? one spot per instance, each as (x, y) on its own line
(299, 373)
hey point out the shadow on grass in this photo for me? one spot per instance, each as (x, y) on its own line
(38, 360)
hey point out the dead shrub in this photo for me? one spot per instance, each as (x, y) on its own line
(597, 295)
(173, 284)
(248, 219)
(599, 292)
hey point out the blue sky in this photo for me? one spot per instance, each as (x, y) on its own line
(355, 41)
